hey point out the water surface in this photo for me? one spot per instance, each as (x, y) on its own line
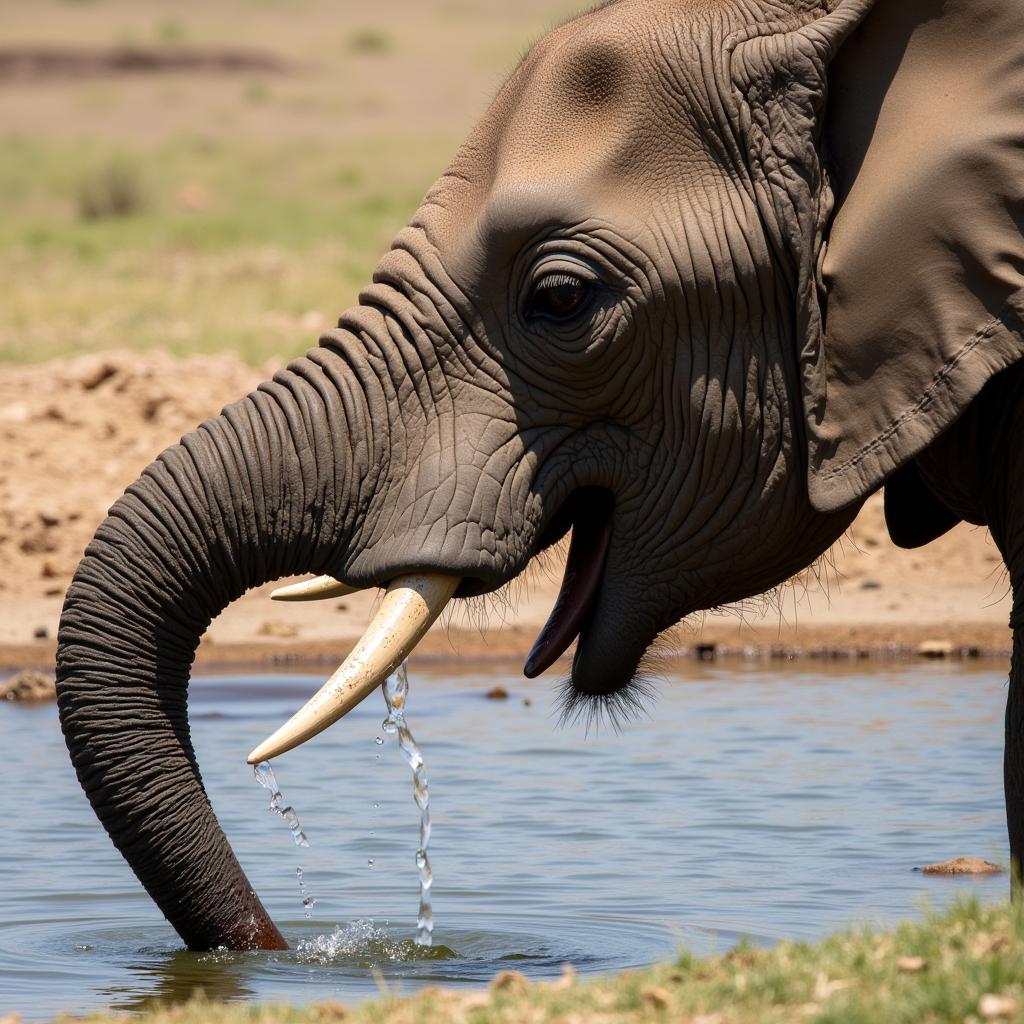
(767, 803)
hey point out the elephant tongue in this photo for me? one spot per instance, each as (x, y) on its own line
(591, 536)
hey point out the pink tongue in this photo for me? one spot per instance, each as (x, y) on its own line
(591, 535)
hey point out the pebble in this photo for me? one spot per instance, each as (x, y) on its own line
(935, 648)
(962, 866)
(29, 687)
(993, 1006)
(497, 693)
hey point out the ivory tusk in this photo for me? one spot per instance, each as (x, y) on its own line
(313, 590)
(410, 605)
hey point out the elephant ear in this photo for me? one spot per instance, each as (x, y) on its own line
(924, 265)
(778, 71)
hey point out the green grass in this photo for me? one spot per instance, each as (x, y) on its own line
(963, 965)
(195, 244)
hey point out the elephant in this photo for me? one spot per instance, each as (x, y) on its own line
(706, 275)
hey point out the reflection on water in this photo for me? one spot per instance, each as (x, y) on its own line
(753, 802)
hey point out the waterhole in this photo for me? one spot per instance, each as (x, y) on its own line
(771, 804)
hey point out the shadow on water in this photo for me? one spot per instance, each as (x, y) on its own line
(174, 977)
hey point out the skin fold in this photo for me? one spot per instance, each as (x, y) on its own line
(614, 291)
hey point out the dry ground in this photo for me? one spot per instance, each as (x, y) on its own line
(74, 433)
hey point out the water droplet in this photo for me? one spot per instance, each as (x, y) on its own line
(266, 778)
(369, 862)
(379, 740)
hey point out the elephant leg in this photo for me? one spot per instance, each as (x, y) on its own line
(1013, 760)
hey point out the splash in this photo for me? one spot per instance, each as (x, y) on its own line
(396, 690)
(365, 944)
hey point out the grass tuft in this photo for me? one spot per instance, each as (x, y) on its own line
(115, 189)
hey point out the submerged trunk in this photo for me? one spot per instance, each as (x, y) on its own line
(267, 489)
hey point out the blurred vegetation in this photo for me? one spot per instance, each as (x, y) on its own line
(234, 210)
(195, 245)
(966, 965)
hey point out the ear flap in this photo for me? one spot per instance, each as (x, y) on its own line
(924, 267)
(779, 74)
(913, 515)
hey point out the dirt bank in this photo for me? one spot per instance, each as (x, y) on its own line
(74, 434)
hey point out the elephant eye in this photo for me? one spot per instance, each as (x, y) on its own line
(558, 296)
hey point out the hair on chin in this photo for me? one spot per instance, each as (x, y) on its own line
(619, 708)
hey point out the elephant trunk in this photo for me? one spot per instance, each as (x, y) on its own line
(269, 488)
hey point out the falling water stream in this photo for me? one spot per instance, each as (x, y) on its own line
(396, 689)
(266, 778)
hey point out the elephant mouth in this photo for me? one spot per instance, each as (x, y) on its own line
(589, 512)
(414, 600)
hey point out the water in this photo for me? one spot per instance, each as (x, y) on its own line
(759, 802)
(396, 691)
(268, 780)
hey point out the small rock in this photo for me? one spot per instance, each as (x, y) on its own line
(962, 866)
(48, 571)
(40, 633)
(527, 703)
(49, 518)
(911, 964)
(53, 591)
(509, 981)
(93, 372)
(29, 687)
(655, 998)
(935, 649)
(705, 652)
(497, 693)
(870, 585)
(993, 1006)
(281, 630)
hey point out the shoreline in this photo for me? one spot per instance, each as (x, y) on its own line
(507, 647)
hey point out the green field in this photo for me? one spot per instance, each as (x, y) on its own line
(243, 211)
(244, 246)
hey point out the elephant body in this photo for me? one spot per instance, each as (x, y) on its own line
(666, 295)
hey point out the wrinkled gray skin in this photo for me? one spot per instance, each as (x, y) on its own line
(449, 419)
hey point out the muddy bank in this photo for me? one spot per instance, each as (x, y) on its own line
(74, 434)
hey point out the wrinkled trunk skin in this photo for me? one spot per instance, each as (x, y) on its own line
(267, 489)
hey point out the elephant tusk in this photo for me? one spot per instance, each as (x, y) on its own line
(313, 590)
(410, 605)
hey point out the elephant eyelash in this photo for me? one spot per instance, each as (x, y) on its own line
(557, 281)
(613, 710)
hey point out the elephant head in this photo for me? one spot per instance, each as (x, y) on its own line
(605, 316)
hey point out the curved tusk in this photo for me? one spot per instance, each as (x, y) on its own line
(313, 590)
(410, 605)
